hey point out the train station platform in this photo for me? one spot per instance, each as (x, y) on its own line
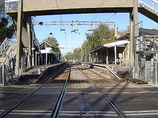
(32, 74)
(39, 73)
(121, 73)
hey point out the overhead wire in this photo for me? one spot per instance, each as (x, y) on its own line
(33, 18)
(115, 13)
(99, 10)
(61, 21)
(102, 3)
(96, 15)
(59, 13)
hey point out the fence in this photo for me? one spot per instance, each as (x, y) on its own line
(1, 74)
(11, 5)
(150, 4)
(7, 67)
(4, 45)
(4, 75)
(151, 72)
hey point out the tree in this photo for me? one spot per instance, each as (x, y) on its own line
(54, 44)
(6, 29)
(77, 54)
(93, 40)
(69, 56)
(52, 41)
(6, 32)
(98, 35)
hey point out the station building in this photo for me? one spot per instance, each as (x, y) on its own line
(48, 55)
(117, 51)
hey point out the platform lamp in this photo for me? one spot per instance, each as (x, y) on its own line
(46, 46)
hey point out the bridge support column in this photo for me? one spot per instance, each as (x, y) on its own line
(19, 36)
(115, 54)
(134, 32)
(24, 42)
(30, 43)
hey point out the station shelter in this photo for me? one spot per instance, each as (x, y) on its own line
(47, 53)
(117, 51)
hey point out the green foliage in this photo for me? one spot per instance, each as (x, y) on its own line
(3, 22)
(10, 31)
(54, 44)
(75, 55)
(69, 56)
(6, 32)
(98, 35)
(2, 33)
(93, 40)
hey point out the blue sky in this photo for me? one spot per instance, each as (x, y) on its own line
(75, 40)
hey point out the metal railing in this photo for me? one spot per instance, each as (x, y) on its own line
(7, 67)
(4, 45)
(151, 72)
(10, 56)
(2, 74)
(11, 5)
(150, 4)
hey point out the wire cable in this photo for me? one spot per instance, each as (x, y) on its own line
(99, 10)
(58, 11)
(96, 15)
(115, 13)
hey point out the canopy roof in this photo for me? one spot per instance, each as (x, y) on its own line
(116, 43)
(48, 50)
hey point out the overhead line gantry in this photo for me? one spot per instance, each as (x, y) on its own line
(77, 22)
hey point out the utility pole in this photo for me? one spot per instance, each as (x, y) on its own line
(19, 36)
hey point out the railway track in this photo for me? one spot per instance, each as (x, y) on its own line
(58, 105)
(80, 92)
(21, 101)
(121, 113)
(110, 102)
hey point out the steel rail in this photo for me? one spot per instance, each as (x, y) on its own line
(87, 101)
(109, 69)
(110, 102)
(135, 93)
(57, 107)
(3, 114)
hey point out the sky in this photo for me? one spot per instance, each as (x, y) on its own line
(75, 40)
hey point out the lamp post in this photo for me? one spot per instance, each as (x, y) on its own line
(46, 47)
